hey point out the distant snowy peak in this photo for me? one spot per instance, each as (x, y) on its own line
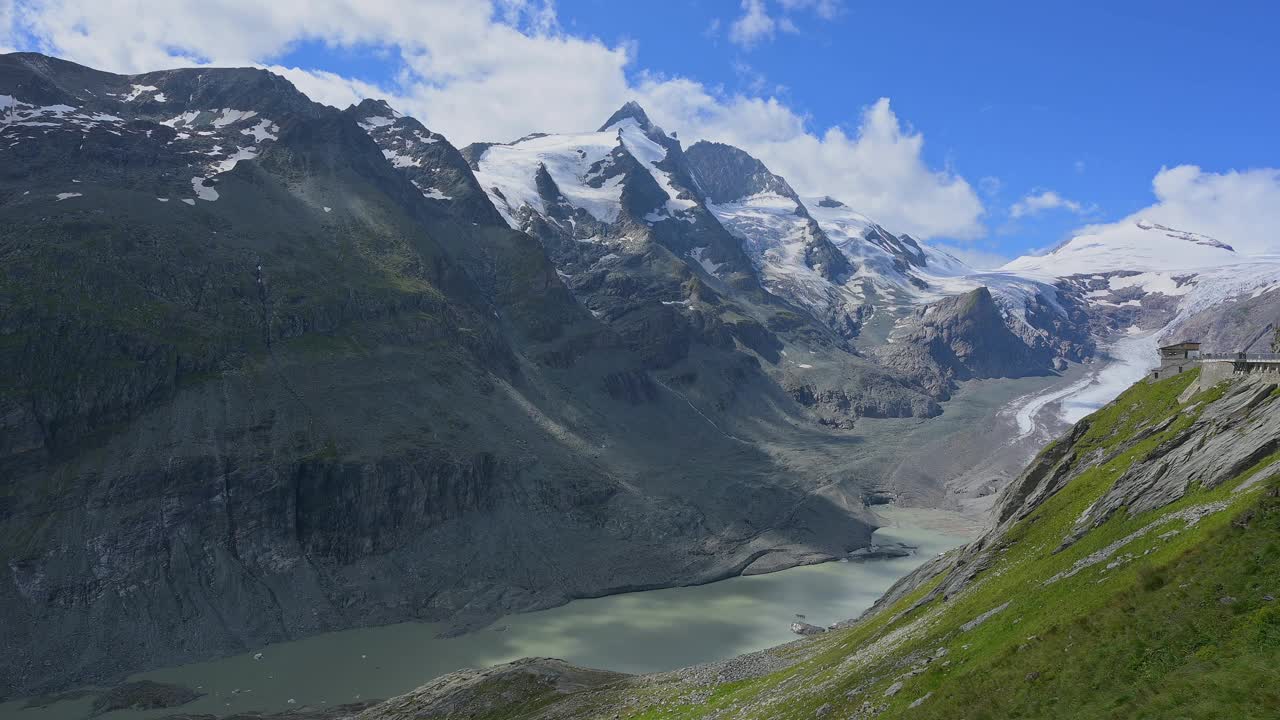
(1143, 246)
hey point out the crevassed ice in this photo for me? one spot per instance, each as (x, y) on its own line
(568, 160)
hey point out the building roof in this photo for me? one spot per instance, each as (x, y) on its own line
(1182, 346)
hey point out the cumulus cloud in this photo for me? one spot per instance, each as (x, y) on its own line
(493, 72)
(757, 23)
(879, 169)
(1037, 202)
(975, 256)
(8, 26)
(825, 9)
(1241, 208)
(328, 88)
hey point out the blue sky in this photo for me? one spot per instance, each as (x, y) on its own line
(1089, 99)
(1076, 105)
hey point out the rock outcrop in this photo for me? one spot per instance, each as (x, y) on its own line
(961, 338)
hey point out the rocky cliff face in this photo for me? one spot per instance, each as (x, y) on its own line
(258, 380)
(969, 336)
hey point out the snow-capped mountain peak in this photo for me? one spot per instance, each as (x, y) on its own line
(629, 166)
(631, 110)
(1141, 246)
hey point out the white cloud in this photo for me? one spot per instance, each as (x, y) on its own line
(1241, 208)
(825, 9)
(976, 257)
(481, 72)
(326, 87)
(756, 24)
(879, 170)
(1036, 203)
(8, 26)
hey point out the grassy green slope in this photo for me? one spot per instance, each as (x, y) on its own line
(1151, 637)
(1178, 622)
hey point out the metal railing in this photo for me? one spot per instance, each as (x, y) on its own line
(1247, 357)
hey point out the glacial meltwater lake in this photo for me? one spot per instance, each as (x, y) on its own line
(637, 632)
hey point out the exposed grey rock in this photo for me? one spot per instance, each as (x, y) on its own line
(492, 690)
(984, 617)
(1227, 326)
(1230, 436)
(966, 337)
(882, 552)
(803, 628)
(726, 173)
(893, 689)
(920, 700)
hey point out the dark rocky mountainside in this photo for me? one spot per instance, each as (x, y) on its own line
(726, 173)
(258, 381)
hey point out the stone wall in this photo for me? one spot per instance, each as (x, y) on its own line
(1213, 372)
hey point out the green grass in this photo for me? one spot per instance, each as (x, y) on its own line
(1147, 638)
